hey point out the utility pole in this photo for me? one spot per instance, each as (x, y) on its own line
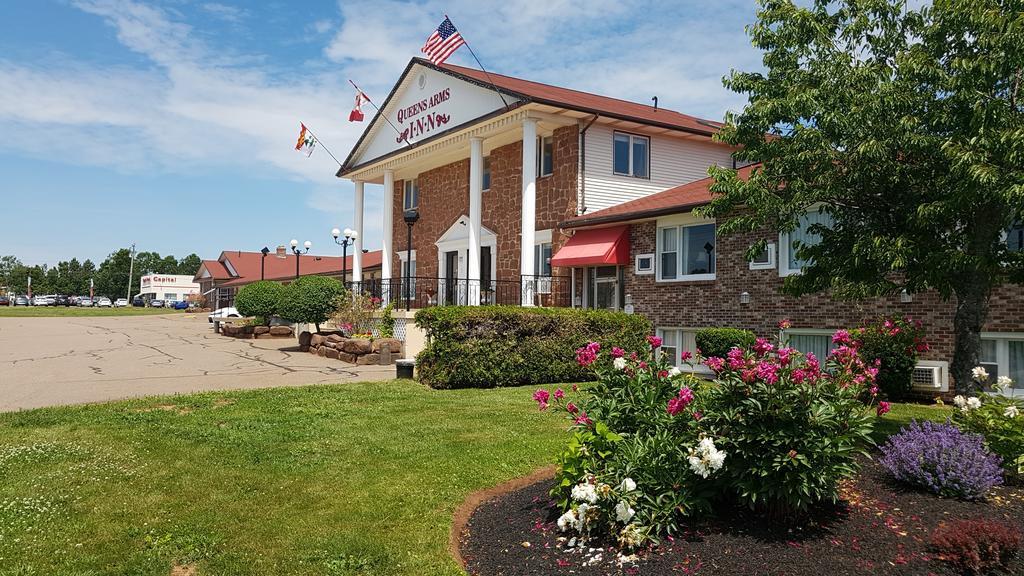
(131, 272)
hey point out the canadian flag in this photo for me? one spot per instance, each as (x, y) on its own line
(356, 115)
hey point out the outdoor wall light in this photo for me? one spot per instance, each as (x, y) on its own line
(906, 297)
(745, 298)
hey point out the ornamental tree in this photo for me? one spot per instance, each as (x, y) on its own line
(310, 300)
(260, 299)
(905, 127)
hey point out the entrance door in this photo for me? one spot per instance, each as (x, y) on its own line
(451, 276)
(606, 288)
(486, 289)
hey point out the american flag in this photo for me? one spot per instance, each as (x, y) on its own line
(443, 42)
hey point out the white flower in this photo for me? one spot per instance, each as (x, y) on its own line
(1011, 412)
(567, 521)
(974, 403)
(584, 492)
(674, 371)
(619, 363)
(627, 485)
(581, 516)
(979, 373)
(959, 401)
(1003, 382)
(706, 458)
(623, 513)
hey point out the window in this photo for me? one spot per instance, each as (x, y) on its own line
(545, 156)
(765, 260)
(817, 342)
(630, 155)
(411, 198)
(542, 259)
(675, 341)
(170, 296)
(408, 271)
(487, 173)
(644, 264)
(687, 252)
(791, 242)
(1015, 237)
(1002, 354)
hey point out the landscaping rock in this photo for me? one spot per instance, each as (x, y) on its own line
(263, 336)
(368, 359)
(346, 357)
(280, 331)
(393, 343)
(314, 351)
(305, 338)
(322, 351)
(317, 339)
(332, 353)
(335, 338)
(357, 346)
(261, 330)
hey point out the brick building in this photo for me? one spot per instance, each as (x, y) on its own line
(526, 193)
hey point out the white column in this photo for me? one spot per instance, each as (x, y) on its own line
(357, 256)
(529, 209)
(388, 231)
(476, 188)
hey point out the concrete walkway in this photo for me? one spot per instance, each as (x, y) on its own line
(74, 360)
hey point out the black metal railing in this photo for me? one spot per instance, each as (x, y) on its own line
(422, 292)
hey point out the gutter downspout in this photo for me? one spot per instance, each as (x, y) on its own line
(582, 207)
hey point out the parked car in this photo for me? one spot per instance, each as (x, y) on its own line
(21, 301)
(180, 305)
(120, 303)
(42, 300)
(229, 312)
(60, 300)
(138, 302)
(104, 302)
(4, 300)
(156, 303)
(85, 301)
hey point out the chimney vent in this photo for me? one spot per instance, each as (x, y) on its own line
(282, 252)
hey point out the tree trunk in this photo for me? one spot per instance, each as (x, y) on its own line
(971, 313)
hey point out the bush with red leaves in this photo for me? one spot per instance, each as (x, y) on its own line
(976, 545)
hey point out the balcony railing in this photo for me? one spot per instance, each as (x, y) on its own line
(421, 292)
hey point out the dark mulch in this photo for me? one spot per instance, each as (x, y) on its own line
(879, 528)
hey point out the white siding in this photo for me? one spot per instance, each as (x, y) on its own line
(674, 161)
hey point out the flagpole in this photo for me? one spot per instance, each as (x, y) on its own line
(321, 142)
(384, 116)
(486, 73)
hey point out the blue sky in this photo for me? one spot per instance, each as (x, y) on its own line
(171, 124)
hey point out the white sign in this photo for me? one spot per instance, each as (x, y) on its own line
(427, 103)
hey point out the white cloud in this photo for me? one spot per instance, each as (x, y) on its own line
(225, 12)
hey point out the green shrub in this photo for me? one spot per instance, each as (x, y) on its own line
(310, 299)
(999, 419)
(386, 328)
(651, 446)
(718, 341)
(484, 346)
(260, 299)
(895, 343)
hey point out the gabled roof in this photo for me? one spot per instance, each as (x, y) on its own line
(247, 265)
(523, 92)
(672, 201)
(215, 268)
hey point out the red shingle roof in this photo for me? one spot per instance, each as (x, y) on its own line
(247, 265)
(672, 201)
(215, 268)
(587, 102)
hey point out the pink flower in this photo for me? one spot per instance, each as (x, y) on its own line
(813, 363)
(655, 341)
(762, 346)
(785, 356)
(785, 325)
(841, 337)
(559, 394)
(685, 355)
(663, 374)
(642, 365)
(675, 406)
(583, 419)
(874, 390)
(768, 371)
(542, 396)
(575, 388)
(715, 363)
(685, 394)
(572, 408)
(697, 415)
(586, 355)
(883, 407)
(542, 406)
(798, 376)
(736, 359)
(618, 352)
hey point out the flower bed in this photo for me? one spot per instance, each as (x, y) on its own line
(353, 350)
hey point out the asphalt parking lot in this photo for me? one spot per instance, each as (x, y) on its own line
(74, 360)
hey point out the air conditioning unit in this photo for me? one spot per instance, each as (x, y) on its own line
(931, 375)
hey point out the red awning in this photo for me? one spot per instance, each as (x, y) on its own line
(596, 247)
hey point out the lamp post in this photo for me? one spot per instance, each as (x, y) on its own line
(263, 262)
(410, 217)
(295, 248)
(350, 236)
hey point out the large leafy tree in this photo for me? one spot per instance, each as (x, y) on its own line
(905, 126)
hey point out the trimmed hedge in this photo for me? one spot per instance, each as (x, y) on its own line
(718, 341)
(487, 346)
(260, 299)
(310, 300)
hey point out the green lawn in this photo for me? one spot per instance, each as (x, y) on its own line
(331, 480)
(335, 480)
(32, 311)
